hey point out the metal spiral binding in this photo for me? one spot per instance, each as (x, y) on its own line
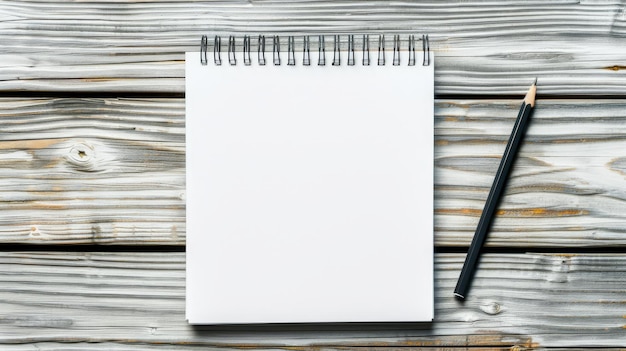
(426, 48)
(232, 59)
(381, 50)
(217, 51)
(261, 50)
(411, 50)
(351, 50)
(366, 50)
(396, 50)
(291, 55)
(337, 52)
(246, 51)
(321, 59)
(306, 56)
(204, 45)
(276, 50)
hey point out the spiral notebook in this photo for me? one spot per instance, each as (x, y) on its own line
(309, 180)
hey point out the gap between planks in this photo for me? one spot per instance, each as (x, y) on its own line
(438, 249)
(166, 95)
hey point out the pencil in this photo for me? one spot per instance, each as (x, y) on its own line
(495, 193)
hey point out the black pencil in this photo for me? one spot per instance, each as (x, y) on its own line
(497, 188)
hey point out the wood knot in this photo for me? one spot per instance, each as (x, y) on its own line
(615, 68)
(83, 157)
(491, 308)
(34, 231)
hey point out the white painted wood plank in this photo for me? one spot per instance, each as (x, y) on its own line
(137, 299)
(482, 47)
(112, 171)
(92, 171)
(569, 170)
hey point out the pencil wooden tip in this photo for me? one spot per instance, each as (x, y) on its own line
(530, 95)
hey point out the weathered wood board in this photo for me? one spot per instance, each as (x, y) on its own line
(131, 300)
(85, 167)
(574, 47)
(112, 171)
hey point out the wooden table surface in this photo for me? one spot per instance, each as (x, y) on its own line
(92, 176)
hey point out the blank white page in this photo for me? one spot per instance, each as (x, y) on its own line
(309, 192)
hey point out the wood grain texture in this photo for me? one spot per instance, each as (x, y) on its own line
(137, 299)
(567, 184)
(107, 171)
(92, 171)
(112, 171)
(482, 47)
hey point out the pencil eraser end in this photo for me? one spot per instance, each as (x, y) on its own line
(459, 296)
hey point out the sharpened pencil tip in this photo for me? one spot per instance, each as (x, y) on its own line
(530, 95)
